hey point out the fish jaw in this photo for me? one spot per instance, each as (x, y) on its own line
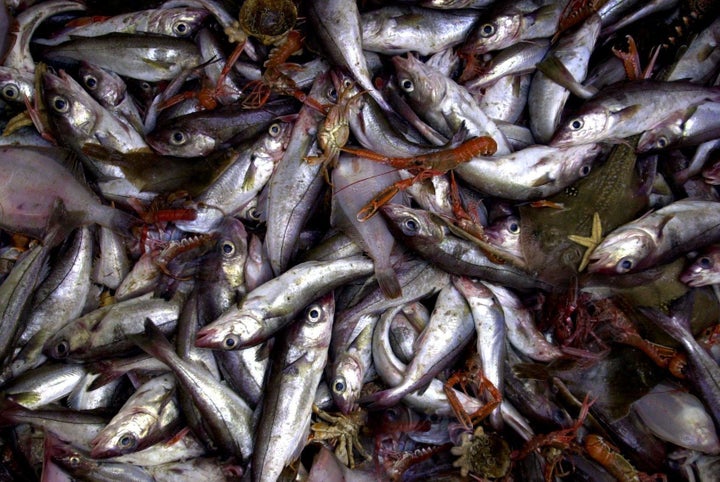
(420, 75)
(623, 252)
(237, 332)
(346, 388)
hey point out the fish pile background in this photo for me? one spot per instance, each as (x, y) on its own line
(412, 240)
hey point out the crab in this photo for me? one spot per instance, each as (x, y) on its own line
(484, 454)
(344, 430)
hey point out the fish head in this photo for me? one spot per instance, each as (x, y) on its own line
(181, 141)
(584, 128)
(67, 456)
(660, 137)
(347, 383)
(420, 83)
(115, 440)
(493, 34)
(232, 249)
(622, 252)
(411, 223)
(66, 342)
(15, 85)
(182, 22)
(505, 233)
(105, 86)
(232, 331)
(702, 271)
(72, 109)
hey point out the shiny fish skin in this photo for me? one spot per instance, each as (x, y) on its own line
(271, 306)
(297, 366)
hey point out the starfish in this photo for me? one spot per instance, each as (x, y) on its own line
(589, 242)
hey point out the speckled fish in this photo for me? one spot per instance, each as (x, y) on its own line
(150, 415)
(513, 22)
(705, 270)
(298, 363)
(271, 306)
(145, 57)
(628, 109)
(226, 417)
(173, 22)
(658, 237)
(394, 30)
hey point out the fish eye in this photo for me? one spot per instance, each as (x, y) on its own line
(514, 227)
(332, 94)
(584, 170)
(625, 265)
(576, 124)
(62, 349)
(313, 314)
(74, 460)
(90, 82)
(60, 104)
(274, 130)
(254, 214)
(407, 85)
(339, 386)
(661, 142)
(228, 248)
(11, 92)
(230, 342)
(410, 226)
(145, 86)
(180, 28)
(347, 83)
(177, 138)
(487, 30)
(127, 441)
(705, 262)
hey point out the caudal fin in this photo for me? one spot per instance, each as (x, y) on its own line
(389, 284)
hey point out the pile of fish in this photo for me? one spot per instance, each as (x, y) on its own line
(340, 240)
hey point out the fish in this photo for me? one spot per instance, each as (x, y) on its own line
(703, 271)
(657, 237)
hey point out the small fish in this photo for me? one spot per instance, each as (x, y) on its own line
(705, 270)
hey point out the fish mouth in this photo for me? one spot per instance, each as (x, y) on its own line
(207, 338)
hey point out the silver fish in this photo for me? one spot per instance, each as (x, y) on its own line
(113, 264)
(297, 366)
(44, 385)
(630, 109)
(226, 417)
(515, 60)
(657, 237)
(273, 305)
(705, 270)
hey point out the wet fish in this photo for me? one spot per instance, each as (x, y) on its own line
(704, 270)
(657, 237)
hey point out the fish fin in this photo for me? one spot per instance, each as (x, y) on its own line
(106, 374)
(156, 64)
(627, 112)
(25, 398)
(677, 324)
(389, 284)
(385, 398)
(263, 352)
(545, 179)
(532, 371)
(154, 342)
(120, 222)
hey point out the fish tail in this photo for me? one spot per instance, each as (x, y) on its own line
(385, 398)
(154, 343)
(105, 374)
(389, 284)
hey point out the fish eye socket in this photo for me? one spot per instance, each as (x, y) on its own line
(11, 92)
(407, 85)
(230, 342)
(74, 460)
(624, 265)
(228, 248)
(662, 142)
(514, 227)
(584, 170)
(576, 124)
(145, 86)
(347, 83)
(705, 262)
(181, 28)
(274, 130)
(487, 30)
(127, 441)
(60, 104)
(177, 138)
(313, 314)
(339, 386)
(332, 94)
(90, 82)
(411, 226)
(62, 349)
(254, 214)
